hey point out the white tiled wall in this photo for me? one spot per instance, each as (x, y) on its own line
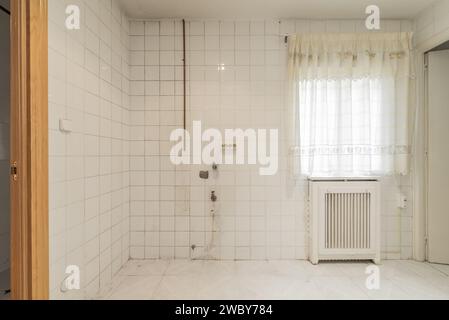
(258, 217)
(114, 193)
(89, 167)
(156, 108)
(4, 142)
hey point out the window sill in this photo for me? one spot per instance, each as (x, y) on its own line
(322, 178)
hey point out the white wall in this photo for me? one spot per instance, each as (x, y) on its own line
(431, 29)
(431, 22)
(259, 217)
(89, 193)
(4, 140)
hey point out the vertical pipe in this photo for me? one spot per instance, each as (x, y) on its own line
(185, 73)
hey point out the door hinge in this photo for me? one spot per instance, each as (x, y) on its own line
(14, 171)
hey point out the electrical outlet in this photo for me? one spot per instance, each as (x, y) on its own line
(402, 201)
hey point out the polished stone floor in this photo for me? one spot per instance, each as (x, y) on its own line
(290, 280)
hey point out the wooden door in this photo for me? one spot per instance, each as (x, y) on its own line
(29, 150)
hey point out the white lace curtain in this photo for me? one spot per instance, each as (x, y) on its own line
(349, 110)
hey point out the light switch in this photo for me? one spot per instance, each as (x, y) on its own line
(65, 125)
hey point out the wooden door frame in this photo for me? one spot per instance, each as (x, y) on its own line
(29, 150)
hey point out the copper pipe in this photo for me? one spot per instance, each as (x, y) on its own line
(185, 72)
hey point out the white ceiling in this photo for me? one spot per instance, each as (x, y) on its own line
(258, 9)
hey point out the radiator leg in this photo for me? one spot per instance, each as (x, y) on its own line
(377, 259)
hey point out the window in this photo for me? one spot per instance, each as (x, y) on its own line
(350, 109)
(346, 127)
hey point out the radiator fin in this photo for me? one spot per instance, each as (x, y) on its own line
(347, 220)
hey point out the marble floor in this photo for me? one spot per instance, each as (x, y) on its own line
(275, 280)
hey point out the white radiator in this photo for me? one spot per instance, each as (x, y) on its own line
(344, 220)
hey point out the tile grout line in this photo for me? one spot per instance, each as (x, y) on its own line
(438, 269)
(160, 281)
